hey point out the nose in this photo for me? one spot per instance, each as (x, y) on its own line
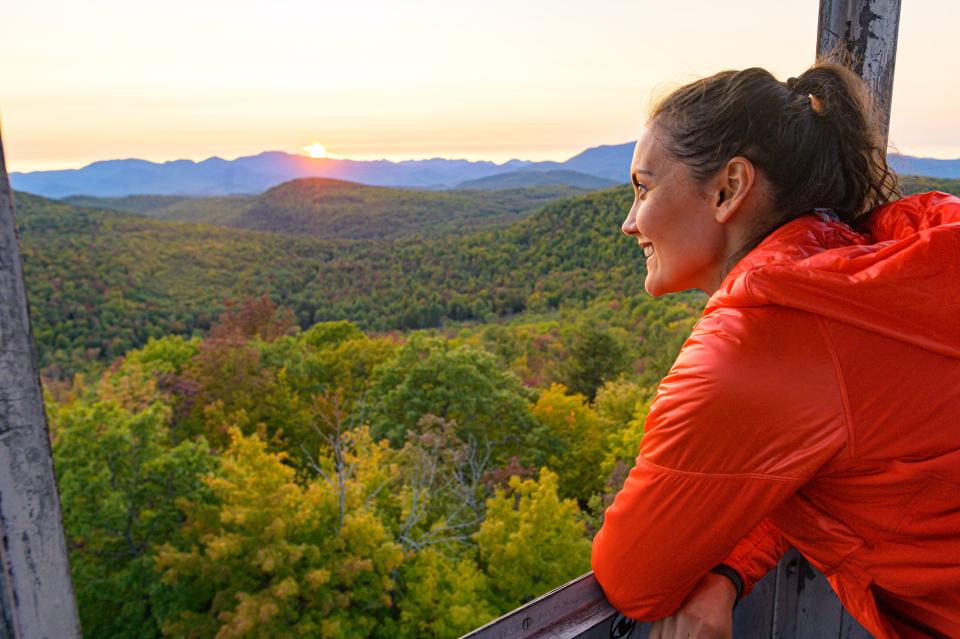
(630, 224)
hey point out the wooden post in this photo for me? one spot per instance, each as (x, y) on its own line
(867, 31)
(36, 596)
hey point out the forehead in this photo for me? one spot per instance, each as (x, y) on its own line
(648, 155)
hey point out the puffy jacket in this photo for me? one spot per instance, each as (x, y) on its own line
(816, 404)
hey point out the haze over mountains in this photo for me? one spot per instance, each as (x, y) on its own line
(599, 166)
(596, 167)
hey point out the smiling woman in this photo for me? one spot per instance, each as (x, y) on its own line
(712, 179)
(782, 421)
(685, 227)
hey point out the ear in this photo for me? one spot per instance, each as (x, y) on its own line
(732, 184)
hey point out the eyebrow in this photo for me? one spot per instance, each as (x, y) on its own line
(639, 172)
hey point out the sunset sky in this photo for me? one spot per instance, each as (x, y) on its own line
(105, 79)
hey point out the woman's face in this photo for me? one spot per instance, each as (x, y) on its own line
(673, 218)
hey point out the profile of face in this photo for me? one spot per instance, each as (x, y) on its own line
(677, 221)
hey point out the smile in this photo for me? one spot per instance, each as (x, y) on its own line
(647, 249)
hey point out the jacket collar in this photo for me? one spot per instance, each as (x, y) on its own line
(898, 274)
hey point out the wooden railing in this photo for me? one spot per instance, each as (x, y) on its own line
(794, 601)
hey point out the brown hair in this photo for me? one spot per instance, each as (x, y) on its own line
(814, 137)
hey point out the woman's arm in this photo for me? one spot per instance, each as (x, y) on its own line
(749, 413)
(707, 612)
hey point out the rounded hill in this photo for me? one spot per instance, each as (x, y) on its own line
(328, 208)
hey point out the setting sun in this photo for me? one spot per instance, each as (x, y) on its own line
(315, 150)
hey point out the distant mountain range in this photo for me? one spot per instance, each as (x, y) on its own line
(255, 174)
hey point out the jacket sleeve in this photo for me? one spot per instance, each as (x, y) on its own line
(756, 554)
(747, 415)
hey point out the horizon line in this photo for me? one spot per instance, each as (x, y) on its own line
(12, 165)
(69, 165)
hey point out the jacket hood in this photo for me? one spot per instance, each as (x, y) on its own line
(897, 274)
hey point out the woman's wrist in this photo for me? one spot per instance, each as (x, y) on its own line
(723, 575)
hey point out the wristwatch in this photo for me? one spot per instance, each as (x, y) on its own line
(732, 575)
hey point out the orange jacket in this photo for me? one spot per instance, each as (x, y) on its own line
(816, 404)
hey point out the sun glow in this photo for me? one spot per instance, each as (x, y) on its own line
(315, 150)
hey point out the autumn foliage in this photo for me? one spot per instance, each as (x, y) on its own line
(267, 481)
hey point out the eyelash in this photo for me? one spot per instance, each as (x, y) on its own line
(642, 189)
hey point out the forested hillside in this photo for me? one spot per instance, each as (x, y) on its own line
(219, 211)
(919, 183)
(334, 209)
(288, 476)
(102, 282)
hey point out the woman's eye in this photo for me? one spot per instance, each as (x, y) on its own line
(642, 189)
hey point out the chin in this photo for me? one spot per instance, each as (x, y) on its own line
(654, 287)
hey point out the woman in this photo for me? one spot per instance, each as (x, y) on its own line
(816, 403)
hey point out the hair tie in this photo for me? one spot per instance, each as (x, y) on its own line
(816, 104)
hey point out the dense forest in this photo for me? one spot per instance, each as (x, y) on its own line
(266, 481)
(102, 282)
(289, 437)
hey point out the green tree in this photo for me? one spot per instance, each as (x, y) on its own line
(458, 384)
(121, 480)
(594, 356)
(617, 400)
(577, 437)
(623, 446)
(443, 597)
(141, 377)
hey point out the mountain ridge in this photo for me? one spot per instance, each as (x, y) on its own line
(250, 175)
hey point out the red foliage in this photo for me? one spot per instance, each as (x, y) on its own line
(252, 317)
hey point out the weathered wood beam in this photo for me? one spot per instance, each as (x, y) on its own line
(867, 31)
(37, 596)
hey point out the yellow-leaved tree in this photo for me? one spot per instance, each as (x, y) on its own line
(444, 596)
(281, 558)
(531, 541)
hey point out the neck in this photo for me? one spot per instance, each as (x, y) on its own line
(743, 234)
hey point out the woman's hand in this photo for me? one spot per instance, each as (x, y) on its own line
(706, 613)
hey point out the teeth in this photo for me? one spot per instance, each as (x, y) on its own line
(648, 250)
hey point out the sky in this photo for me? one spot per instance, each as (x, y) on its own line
(491, 79)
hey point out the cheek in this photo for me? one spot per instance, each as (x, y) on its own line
(683, 259)
(653, 221)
